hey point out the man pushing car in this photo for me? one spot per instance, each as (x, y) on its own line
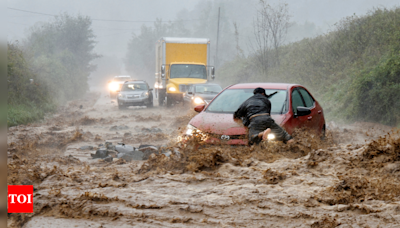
(255, 114)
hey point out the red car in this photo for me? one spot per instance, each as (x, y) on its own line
(291, 107)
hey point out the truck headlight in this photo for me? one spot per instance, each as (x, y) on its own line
(113, 86)
(198, 101)
(172, 89)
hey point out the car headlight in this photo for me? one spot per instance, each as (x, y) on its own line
(190, 129)
(121, 95)
(198, 101)
(271, 136)
(113, 86)
(145, 94)
(172, 89)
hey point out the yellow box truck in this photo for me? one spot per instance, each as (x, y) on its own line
(180, 62)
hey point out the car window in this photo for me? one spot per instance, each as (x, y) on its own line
(122, 79)
(208, 88)
(229, 100)
(307, 98)
(296, 100)
(188, 71)
(134, 87)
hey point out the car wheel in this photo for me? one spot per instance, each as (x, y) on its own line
(161, 100)
(120, 106)
(151, 103)
(323, 133)
(169, 102)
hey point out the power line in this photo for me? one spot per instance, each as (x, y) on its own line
(26, 11)
(116, 29)
(94, 19)
(120, 33)
(17, 23)
(107, 28)
(29, 16)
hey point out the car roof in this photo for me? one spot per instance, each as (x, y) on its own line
(262, 85)
(205, 84)
(122, 76)
(136, 81)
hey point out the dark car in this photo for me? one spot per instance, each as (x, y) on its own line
(198, 94)
(135, 93)
(292, 107)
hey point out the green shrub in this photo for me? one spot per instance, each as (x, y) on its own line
(377, 92)
(27, 102)
(61, 52)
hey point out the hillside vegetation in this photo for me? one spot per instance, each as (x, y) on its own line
(57, 55)
(354, 70)
(27, 101)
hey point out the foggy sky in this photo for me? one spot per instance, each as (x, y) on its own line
(113, 37)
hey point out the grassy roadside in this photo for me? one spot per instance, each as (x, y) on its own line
(354, 70)
(25, 113)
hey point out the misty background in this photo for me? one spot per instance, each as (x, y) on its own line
(116, 23)
(345, 52)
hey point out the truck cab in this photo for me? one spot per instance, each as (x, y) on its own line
(180, 62)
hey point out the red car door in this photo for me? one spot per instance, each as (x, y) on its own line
(314, 118)
(295, 121)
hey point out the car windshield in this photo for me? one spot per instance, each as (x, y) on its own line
(188, 71)
(208, 88)
(122, 79)
(134, 87)
(230, 100)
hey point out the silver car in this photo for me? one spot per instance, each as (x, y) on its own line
(135, 93)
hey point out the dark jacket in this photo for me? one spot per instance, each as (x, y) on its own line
(256, 104)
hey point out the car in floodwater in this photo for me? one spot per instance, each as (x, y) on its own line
(135, 93)
(292, 106)
(114, 86)
(198, 94)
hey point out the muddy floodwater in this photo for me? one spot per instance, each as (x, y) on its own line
(351, 179)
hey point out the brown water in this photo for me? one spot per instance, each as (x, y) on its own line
(351, 179)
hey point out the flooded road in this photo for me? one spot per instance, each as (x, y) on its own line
(349, 180)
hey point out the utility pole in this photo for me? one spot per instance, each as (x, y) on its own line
(216, 53)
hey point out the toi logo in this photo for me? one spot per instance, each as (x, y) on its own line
(20, 199)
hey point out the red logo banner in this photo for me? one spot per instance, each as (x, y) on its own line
(20, 198)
